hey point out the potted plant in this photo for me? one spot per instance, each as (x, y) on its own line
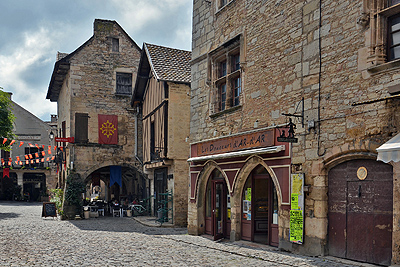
(74, 188)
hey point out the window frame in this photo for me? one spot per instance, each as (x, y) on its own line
(115, 45)
(117, 85)
(390, 44)
(226, 77)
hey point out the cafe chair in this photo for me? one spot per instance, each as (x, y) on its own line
(100, 208)
(123, 210)
(116, 210)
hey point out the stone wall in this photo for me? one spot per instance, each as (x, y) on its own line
(90, 87)
(296, 55)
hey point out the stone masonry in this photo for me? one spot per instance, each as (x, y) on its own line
(89, 87)
(297, 55)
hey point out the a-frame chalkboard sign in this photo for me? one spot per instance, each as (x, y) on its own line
(49, 209)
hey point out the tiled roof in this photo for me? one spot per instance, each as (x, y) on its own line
(169, 64)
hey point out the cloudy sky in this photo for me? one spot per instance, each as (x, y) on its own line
(32, 31)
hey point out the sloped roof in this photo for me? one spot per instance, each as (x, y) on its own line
(169, 64)
(165, 64)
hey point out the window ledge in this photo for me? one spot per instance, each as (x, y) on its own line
(384, 67)
(123, 95)
(98, 145)
(228, 110)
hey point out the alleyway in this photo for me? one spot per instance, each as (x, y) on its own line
(27, 239)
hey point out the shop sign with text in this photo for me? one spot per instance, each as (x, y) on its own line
(236, 143)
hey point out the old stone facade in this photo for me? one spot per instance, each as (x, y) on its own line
(162, 92)
(89, 84)
(325, 64)
(32, 136)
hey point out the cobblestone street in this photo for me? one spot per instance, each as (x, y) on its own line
(27, 239)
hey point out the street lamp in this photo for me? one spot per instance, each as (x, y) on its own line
(51, 136)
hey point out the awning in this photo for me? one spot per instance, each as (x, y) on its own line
(264, 150)
(390, 151)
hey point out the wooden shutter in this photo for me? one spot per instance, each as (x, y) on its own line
(81, 127)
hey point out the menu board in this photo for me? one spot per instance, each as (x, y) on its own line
(49, 209)
(297, 208)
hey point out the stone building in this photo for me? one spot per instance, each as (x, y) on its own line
(321, 77)
(31, 166)
(93, 87)
(162, 92)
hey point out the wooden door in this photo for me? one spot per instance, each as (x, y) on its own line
(361, 211)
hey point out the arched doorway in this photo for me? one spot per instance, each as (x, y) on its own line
(130, 184)
(218, 206)
(260, 209)
(360, 215)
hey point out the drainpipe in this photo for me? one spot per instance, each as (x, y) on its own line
(137, 135)
(319, 82)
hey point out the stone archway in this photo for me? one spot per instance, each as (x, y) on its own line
(251, 164)
(201, 187)
(133, 184)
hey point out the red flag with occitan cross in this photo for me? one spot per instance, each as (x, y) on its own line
(108, 129)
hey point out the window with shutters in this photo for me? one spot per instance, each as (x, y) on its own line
(81, 128)
(123, 83)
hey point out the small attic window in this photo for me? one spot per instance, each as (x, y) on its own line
(115, 44)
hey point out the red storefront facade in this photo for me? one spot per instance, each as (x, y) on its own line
(240, 187)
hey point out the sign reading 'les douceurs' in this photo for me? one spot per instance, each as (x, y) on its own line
(236, 143)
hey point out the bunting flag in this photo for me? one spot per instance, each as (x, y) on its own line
(48, 159)
(18, 160)
(6, 172)
(108, 129)
(53, 157)
(37, 160)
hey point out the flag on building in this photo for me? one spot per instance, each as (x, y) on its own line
(108, 129)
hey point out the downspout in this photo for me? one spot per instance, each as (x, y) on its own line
(136, 135)
(319, 82)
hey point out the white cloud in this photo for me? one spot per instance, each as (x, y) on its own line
(33, 52)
